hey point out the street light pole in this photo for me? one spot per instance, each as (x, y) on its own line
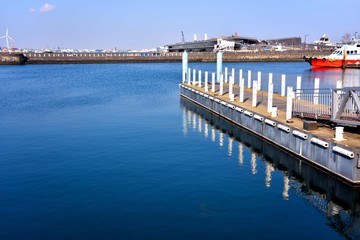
(305, 38)
(305, 41)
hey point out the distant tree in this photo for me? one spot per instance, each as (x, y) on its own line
(346, 38)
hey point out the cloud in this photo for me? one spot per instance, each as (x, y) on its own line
(32, 10)
(47, 7)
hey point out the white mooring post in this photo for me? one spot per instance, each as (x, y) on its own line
(289, 103)
(339, 133)
(270, 78)
(259, 81)
(316, 90)
(231, 83)
(270, 93)
(206, 81)
(241, 94)
(213, 82)
(283, 85)
(338, 86)
(249, 78)
(184, 65)
(233, 74)
(230, 86)
(298, 87)
(221, 84)
(194, 76)
(189, 76)
(254, 93)
(226, 75)
(270, 98)
(200, 78)
(240, 75)
(218, 66)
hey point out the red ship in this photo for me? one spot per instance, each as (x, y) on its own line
(346, 56)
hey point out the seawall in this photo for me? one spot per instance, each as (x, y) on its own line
(12, 59)
(244, 56)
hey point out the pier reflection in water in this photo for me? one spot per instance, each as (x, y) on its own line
(337, 201)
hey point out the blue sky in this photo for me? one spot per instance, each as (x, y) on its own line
(138, 24)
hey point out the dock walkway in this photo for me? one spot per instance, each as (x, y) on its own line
(351, 140)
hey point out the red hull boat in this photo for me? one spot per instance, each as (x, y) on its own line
(346, 56)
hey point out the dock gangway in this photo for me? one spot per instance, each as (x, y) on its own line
(339, 105)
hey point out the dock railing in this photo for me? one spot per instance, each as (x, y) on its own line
(339, 105)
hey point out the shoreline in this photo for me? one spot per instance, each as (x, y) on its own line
(96, 58)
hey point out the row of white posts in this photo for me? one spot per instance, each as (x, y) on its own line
(255, 84)
(196, 79)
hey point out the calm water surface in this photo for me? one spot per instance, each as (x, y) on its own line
(113, 152)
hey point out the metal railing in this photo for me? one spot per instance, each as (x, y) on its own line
(341, 106)
(312, 103)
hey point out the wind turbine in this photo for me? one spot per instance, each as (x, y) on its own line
(7, 37)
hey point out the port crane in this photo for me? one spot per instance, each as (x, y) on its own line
(182, 37)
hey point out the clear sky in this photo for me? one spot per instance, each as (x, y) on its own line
(136, 24)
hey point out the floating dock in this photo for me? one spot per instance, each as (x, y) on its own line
(333, 151)
(311, 180)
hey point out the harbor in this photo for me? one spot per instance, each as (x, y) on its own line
(271, 117)
(179, 120)
(82, 144)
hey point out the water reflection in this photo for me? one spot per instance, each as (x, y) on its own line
(268, 171)
(221, 139)
(337, 201)
(253, 163)
(349, 77)
(230, 146)
(285, 193)
(241, 154)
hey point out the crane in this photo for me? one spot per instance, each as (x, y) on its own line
(183, 37)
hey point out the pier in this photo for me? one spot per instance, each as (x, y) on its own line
(276, 118)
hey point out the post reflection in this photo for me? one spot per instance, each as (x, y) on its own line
(221, 139)
(230, 146)
(241, 154)
(269, 169)
(206, 130)
(339, 202)
(185, 122)
(213, 135)
(194, 121)
(253, 163)
(285, 193)
(200, 124)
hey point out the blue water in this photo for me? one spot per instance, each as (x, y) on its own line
(112, 152)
